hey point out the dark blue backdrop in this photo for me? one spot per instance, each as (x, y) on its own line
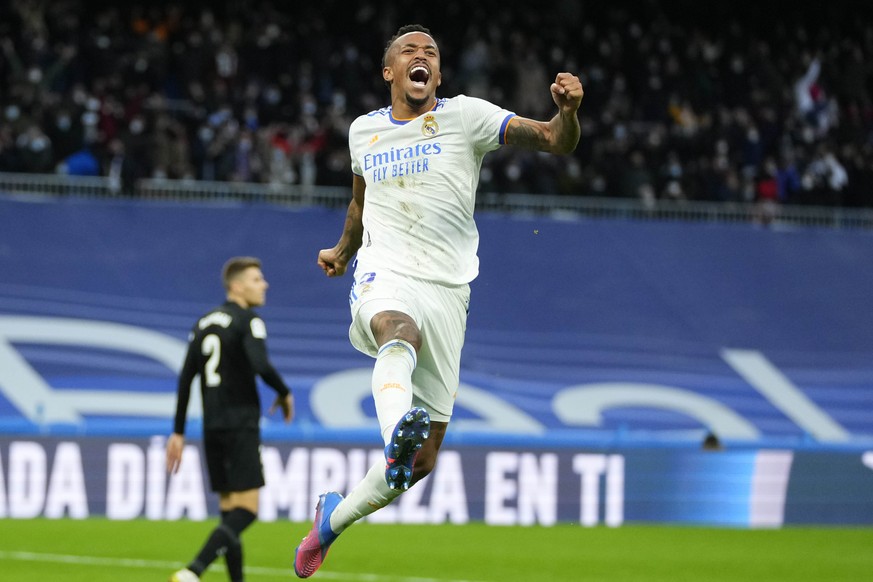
(559, 307)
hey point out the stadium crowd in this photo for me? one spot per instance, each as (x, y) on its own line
(684, 100)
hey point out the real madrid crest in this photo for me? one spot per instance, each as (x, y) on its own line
(429, 127)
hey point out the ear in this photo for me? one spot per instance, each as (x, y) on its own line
(439, 78)
(387, 74)
(233, 286)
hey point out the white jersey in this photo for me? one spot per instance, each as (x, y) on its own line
(422, 175)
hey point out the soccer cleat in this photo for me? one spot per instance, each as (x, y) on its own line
(184, 575)
(409, 434)
(311, 552)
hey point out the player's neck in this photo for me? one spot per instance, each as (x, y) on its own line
(401, 108)
(239, 301)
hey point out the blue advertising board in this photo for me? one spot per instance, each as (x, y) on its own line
(584, 333)
(124, 478)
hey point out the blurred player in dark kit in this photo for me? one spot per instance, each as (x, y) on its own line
(227, 349)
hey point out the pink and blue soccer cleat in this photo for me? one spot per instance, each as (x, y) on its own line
(311, 552)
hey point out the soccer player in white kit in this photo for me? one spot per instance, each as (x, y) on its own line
(418, 162)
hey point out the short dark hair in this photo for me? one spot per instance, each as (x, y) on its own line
(405, 29)
(236, 265)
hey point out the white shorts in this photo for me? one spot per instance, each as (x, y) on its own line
(440, 311)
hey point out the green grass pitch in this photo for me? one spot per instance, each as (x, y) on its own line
(98, 549)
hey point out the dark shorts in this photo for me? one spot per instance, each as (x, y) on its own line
(233, 458)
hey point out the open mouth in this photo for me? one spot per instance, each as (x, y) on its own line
(419, 76)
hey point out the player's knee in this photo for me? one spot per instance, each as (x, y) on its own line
(406, 331)
(239, 519)
(410, 333)
(391, 325)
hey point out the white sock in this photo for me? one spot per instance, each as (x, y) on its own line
(392, 384)
(392, 393)
(371, 494)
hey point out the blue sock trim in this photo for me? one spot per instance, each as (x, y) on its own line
(403, 343)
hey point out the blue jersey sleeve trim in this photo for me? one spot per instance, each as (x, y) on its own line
(503, 126)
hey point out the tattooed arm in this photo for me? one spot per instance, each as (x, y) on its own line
(335, 261)
(558, 135)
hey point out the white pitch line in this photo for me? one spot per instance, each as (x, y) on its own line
(86, 560)
(161, 565)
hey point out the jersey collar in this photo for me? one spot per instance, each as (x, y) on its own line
(397, 121)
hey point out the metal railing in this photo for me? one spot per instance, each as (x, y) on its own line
(771, 214)
(562, 207)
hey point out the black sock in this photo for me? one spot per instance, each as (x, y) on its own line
(221, 538)
(233, 558)
(236, 520)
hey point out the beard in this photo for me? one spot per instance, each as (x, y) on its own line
(416, 103)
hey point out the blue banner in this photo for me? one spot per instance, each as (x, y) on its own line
(581, 333)
(126, 479)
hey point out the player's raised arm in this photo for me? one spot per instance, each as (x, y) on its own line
(558, 135)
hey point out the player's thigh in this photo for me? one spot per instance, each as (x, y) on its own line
(385, 297)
